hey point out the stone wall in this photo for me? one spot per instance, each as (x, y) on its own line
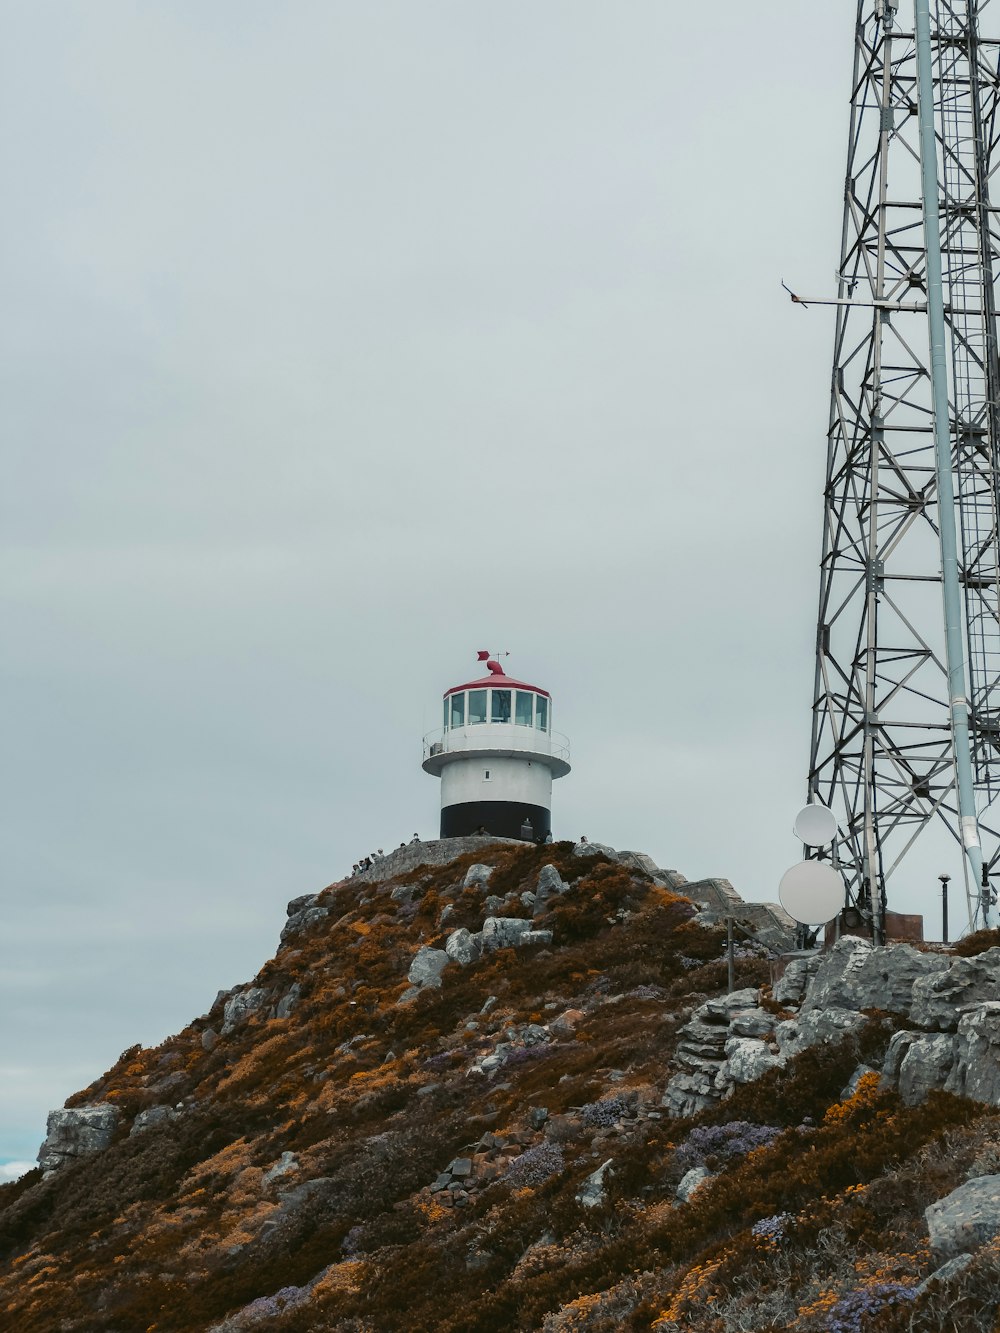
(434, 852)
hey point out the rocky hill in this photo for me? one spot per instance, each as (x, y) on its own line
(489, 1086)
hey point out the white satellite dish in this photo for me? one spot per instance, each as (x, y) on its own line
(812, 892)
(815, 825)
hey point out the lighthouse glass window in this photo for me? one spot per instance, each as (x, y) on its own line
(501, 706)
(523, 708)
(542, 713)
(477, 706)
(457, 702)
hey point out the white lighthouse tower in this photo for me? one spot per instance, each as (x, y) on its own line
(496, 755)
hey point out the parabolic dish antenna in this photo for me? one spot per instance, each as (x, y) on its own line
(812, 892)
(815, 825)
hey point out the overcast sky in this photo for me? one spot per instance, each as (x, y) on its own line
(342, 340)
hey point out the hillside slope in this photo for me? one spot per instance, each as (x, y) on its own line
(377, 1134)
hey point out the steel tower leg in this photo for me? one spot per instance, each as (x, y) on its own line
(898, 743)
(954, 619)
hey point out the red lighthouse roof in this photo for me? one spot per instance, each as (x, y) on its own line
(497, 680)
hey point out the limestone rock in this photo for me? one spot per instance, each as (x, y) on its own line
(565, 1024)
(746, 1059)
(493, 904)
(723, 1007)
(285, 1165)
(427, 966)
(965, 1219)
(151, 1117)
(946, 1272)
(550, 883)
(751, 1023)
(594, 849)
(855, 975)
(288, 1001)
(691, 1181)
(688, 1093)
(301, 903)
(303, 919)
(503, 932)
(810, 1029)
(77, 1131)
(918, 1062)
(209, 1040)
(463, 947)
(477, 875)
(240, 1006)
(791, 985)
(939, 996)
(535, 937)
(592, 1192)
(976, 1071)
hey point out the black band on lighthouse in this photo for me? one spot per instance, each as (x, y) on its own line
(503, 819)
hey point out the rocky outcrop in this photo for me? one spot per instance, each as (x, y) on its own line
(856, 975)
(76, 1132)
(153, 1116)
(719, 1046)
(463, 947)
(976, 1069)
(815, 1027)
(240, 1005)
(790, 988)
(691, 1182)
(477, 876)
(939, 997)
(427, 966)
(503, 932)
(966, 1219)
(592, 1192)
(918, 1063)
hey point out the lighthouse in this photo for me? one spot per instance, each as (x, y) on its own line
(496, 755)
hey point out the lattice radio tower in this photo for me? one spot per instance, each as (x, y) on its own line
(906, 713)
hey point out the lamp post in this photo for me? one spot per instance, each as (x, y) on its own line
(944, 907)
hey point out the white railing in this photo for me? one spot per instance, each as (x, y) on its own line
(496, 736)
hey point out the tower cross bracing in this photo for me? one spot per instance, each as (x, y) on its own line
(890, 709)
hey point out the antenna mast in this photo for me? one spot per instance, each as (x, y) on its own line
(906, 711)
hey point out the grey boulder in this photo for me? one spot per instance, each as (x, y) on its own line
(918, 1062)
(938, 997)
(462, 947)
(691, 1181)
(747, 1059)
(503, 932)
(240, 1006)
(815, 1028)
(151, 1117)
(790, 988)
(77, 1131)
(427, 966)
(594, 849)
(976, 1071)
(288, 1001)
(477, 874)
(303, 919)
(965, 1219)
(592, 1191)
(855, 975)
